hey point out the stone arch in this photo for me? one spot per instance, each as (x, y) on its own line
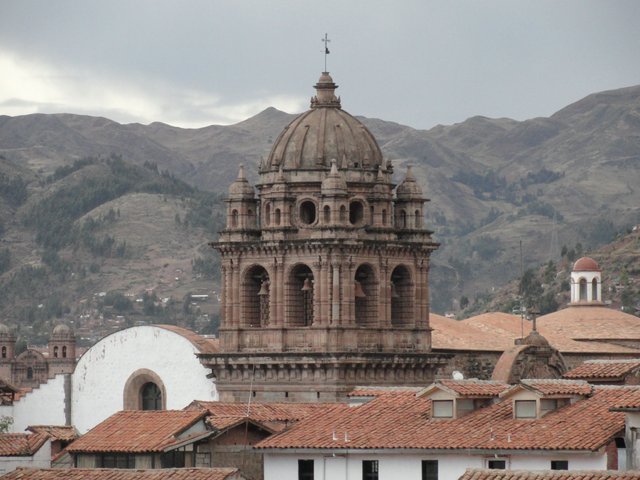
(4, 352)
(384, 216)
(29, 373)
(582, 289)
(402, 297)
(343, 213)
(137, 382)
(417, 220)
(402, 219)
(299, 291)
(278, 216)
(255, 297)
(307, 212)
(64, 351)
(356, 211)
(234, 218)
(366, 287)
(55, 352)
(594, 290)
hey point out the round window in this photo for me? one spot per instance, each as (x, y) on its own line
(307, 212)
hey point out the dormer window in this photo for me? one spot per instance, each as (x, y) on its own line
(525, 408)
(442, 409)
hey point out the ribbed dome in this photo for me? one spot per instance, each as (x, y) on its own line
(409, 188)
(586, 264)
(323, 133)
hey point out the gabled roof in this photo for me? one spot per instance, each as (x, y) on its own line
(402, 420)
(137, 431)
(123, 474)
(261, 412)
(471, 388)
(604, 369)
(56, 432)
(482, 474)
(551, 387)
(21, 444)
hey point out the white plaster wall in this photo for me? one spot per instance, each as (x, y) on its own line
(42, 406)
(42, 459)
(101, 373)
(409, 466)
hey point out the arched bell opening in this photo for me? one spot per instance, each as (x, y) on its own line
(366, 296)
(300, 296)
(255, 297)
(594, 290)
(401, 297)
(583, 289)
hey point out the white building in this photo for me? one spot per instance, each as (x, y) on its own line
(452, 426)
(145, 367)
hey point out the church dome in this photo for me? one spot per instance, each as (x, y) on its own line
(586, 264)
(534, 338)
(322, 133)
(62, 329)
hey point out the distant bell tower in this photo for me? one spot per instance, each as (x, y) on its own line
(586, 282)
(325, 269)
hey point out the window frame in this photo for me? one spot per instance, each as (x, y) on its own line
(370, 470)
(518, 414)
(304, 472)
(559, 465)
(442, 402)
(429, 474)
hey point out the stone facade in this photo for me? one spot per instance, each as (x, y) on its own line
(325, 270)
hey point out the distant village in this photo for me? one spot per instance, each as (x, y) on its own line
(328, 363)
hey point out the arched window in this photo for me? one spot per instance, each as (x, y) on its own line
(299, 300)
(267, 214)
(307, 212)
(356, 212)
(255, 297)
(418, 219)
(327, 214)
(55, 352)
(250, 217)
(277, 219)
(64, 352)
(401, 297)
(4, 352)
(366, 296)
(343, 213)
(594, 290)
(150, 397)
(234, 218)
(372, 215)
(384, 217)
(29, 373)
(402, 220)
(583, 289)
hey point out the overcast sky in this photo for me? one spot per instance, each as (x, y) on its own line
(420, 63)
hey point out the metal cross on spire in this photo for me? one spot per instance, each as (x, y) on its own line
(326, 41)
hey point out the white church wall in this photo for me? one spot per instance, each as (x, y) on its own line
(102, 372)
(44, 405)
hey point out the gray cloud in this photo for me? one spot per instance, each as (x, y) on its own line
(416, 62)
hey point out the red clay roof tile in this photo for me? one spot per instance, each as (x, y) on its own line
(482, 474)
(21, 444)
(587, 424)
(604, 369)
(137, 431)
(56, 432)
(124, 474)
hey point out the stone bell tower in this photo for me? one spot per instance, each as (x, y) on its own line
(325, 272)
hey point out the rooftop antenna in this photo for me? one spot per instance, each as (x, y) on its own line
(326, 41)
(554, 245)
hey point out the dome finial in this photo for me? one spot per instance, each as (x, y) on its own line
(241, 173)
(325, 93)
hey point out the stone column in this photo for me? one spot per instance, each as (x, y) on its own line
(349, 294)
(384, 300)
(335, 292)
(235, 294)
(224, 321)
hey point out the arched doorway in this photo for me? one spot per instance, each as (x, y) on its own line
(300, 296)
(366, 296)
(255, 297)
(401, 297)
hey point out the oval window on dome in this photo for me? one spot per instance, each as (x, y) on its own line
(307, 212)
(356, 212)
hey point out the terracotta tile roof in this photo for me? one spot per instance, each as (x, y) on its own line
(497, 331)
(590, 322)
(21, 444)
(204, 345)
(377, 391)
(585, 425)
(604, 369)
(261, 412)
(64, 433)
(629, 402)
(474, 387)
(137, 431)
(123, 474)
(481, 474)
(558, 386)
